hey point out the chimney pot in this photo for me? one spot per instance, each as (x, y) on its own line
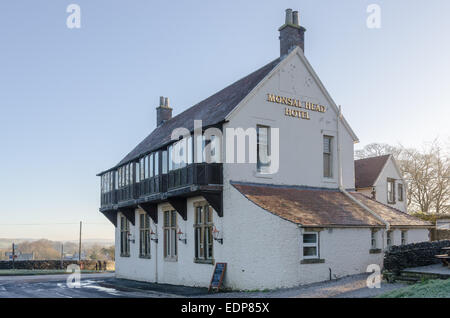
(161, 101)
(295, 18)
(288, 16)
(166, 102)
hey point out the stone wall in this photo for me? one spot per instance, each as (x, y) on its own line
(56, 264)
(413, 255)
(437, 235)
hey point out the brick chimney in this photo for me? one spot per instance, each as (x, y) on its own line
(291, 34)
(163, 112)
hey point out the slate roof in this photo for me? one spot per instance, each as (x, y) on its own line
(323, 207)
(308, 206)
(394, 217)
(211, 111)
(367, 170)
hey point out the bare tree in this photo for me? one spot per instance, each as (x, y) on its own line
(376, 149)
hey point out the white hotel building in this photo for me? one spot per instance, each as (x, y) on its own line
(298, 222)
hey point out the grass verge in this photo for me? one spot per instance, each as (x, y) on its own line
(435, 288)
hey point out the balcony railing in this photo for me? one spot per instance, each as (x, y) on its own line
(193, 174)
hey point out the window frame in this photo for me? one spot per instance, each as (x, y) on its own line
(203, 248)
(261, 167)
(400, 193)
(144, 235)
(404, 237)
(389, 199)
(389, 238)
(316, 245)
(329, 155)
(170, 235)
(373, 239)
(124, 234)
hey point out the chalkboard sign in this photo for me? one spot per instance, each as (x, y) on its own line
(217, 277)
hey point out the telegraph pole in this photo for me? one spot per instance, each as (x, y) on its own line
(62, 254)
(79, 246)
(13, 255)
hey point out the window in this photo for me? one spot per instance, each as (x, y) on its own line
(311, 245)
(373, 239)
(138, 175)
(400, 192)
(391, 191)
(170, 158)
(203, 227)
(327, 158)
(142, 165)
(263, 149)
(146, 166)
(150, 166)
(144, 235)
(200, 146)
(404, 237)
(190, 150)
(124, 233)
(170, 234)
(156, 163)
(164, 162)
(389, 238)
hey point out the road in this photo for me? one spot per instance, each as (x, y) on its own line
(55, 286)
(106, 286)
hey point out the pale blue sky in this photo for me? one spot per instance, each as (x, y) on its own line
(75, 101)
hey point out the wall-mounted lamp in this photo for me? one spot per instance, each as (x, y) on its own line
(217, 235)
(131, 238)
(181, 236)
(153, 237)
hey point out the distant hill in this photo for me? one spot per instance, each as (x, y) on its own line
(46, 249)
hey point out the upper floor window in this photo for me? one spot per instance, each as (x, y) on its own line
(157, 163)
(151, 165)
(124, 234)
(311, 245)
(146, 167)
(144, 235)
(142, 165)
(327, 157)
(400, 192)
(170, 157)
(170, 234)
(391, 191)
(164, 161)
(263, 148)
(203, 231)
(137, 172)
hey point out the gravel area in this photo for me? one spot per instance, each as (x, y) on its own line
(347, 287)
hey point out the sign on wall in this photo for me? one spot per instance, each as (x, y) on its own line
(300, 109)
(217, 278)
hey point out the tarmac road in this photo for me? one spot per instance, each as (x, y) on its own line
(55, 286)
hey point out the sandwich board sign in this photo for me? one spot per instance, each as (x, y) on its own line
(217, 277)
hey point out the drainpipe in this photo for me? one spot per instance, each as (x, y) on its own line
(341, 183)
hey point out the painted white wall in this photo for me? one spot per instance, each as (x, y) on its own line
(184, 271)
(390, 171)
(301, 141)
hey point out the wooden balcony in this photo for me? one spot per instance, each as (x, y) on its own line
(195, 179)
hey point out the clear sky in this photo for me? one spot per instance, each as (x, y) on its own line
(74, 101)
